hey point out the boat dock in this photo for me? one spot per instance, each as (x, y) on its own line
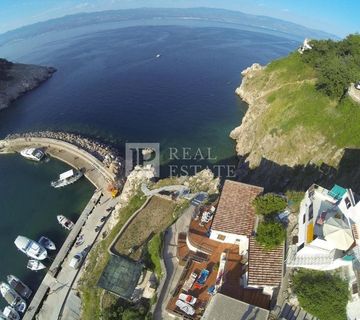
(50, 277)
(50, 298)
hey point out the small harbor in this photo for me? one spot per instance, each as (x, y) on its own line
(101, 167)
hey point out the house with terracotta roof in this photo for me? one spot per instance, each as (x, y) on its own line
(235, 217)
(265, 267)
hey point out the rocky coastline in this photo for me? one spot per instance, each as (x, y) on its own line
(16, 79)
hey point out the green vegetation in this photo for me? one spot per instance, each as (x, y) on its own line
(337, 64)
(4, 68)
(155, 217)
(269, 204)
(323, 295)
(270, 234)
(307, 124)
(96, 262)
(154, 253)
(294, 199)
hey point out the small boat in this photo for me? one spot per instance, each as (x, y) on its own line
(67, 178)
(80, 240)
(9, 313)
(47, 243)
(65, 222)
(19, 286)
(33, 154)
(31, 248)
(35, 265)
(158, 55)
(12, 298)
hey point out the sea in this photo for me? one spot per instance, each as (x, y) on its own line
(167, 84)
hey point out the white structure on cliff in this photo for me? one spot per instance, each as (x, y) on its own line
(305, 46)
(329, 225)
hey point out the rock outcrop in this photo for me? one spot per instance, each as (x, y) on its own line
(16, 79)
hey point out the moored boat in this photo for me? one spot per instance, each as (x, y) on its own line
(80, 240)
(31, 248)
(65, 222)
(35, 154)
(47, 243)
(35, 265)
(10, 313)
(67, 178)
(19, 286)
(12, 298)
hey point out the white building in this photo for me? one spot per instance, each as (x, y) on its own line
(235, 216)
(329, 222)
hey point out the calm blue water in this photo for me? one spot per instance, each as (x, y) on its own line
(109, 84)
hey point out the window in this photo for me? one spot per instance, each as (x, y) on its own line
(348, 203)
(304, 218)
(221, 237)
(311, 212)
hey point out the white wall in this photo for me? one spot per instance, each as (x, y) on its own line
(231, 238)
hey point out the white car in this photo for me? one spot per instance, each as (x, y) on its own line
(77, 260)
(357, 85)
(184, 307)
(187, 298)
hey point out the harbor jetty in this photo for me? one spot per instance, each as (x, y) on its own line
(103, 166)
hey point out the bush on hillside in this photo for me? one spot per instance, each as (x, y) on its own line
(269, 204)
(323, 295)
(337, 64)
(270, 234)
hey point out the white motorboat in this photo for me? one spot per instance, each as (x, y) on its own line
(10, 314)
(12, 298)
(19, 286)
(31, 248)
(33, 154)
(35, 265)
(65, 222)
(47, 243)
(67, 178)
(80, 240)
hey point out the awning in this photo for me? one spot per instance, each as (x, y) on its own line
(338, 233)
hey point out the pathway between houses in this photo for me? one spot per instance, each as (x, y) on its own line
(173, 269)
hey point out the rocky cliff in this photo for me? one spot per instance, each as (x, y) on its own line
(292, 135)
(16, 79)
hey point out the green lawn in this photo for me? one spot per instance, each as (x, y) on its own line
(154, 251)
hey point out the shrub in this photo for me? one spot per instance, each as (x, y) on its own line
(269, 204)
(294, 198)
(270, 234)
(323, 295)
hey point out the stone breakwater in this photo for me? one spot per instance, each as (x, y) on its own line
(108, 155)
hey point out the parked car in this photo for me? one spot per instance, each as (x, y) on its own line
(357, 85)
(187, 298)
(77, 260)
(184, 307)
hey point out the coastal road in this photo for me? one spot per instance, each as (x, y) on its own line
(63, 284)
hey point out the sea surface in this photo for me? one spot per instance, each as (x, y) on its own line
(111, 85)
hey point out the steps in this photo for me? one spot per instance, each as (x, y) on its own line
(289, 312)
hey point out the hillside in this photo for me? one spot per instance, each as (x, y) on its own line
(299, 112)
(16, 79)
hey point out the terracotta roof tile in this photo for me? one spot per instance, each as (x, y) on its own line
(235, 212)
(265, 267)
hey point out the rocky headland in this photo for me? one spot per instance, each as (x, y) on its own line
(16, 79)
(293, 134)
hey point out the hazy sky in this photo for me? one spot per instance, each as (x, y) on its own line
(339, 17)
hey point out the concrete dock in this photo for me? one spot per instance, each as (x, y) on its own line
(49, 300)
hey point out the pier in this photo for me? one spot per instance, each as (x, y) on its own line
(50, 298)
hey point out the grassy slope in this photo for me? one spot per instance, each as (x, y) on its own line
(99, 257)
(294, 101)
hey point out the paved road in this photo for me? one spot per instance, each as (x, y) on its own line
(173, 269)
(64, 282)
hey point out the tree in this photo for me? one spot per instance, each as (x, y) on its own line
(269, 204)
(270, 234)
(323, 295)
